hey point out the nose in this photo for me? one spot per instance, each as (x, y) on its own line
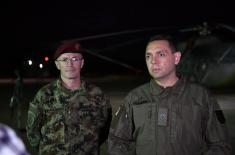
(69, 63)
(154, 60)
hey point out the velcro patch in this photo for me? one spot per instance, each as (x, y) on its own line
(162, 116)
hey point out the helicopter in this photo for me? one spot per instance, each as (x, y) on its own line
(209, 55)
(208, 51)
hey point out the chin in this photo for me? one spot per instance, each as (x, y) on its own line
(154, 75)
(157, 77)
(70, 77)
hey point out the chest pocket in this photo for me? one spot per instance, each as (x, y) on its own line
(87, 114)
(53, 122)
(53, 111)
(144, 120)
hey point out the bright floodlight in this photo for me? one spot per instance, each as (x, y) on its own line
(30, 62)
(41, 66)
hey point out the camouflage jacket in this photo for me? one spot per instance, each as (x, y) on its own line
(65, 122)
(180, 120)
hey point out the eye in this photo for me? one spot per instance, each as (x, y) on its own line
(65, 60)
(75, 59)
(162, 53)
(147, 57)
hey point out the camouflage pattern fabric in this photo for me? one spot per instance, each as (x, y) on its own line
(65, 122)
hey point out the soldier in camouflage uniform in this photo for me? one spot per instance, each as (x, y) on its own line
(168, 115)
(69, 116)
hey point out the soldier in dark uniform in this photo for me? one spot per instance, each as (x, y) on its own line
(168, 115)
(16, 100)
(69, 116)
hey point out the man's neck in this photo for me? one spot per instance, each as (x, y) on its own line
(167, 82)
(71, 84)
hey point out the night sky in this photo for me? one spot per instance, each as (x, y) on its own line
(34, 29)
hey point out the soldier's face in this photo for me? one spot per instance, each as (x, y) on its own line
(160, 59)
(70, 65)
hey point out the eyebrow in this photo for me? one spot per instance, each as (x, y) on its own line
(157, 51)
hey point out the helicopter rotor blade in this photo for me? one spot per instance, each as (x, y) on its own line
(228, 27)
(99, 36)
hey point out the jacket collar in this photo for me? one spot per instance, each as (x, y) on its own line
(175, 90)
(80, 90)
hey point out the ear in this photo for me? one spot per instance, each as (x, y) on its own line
(177, 57)
(57, 65)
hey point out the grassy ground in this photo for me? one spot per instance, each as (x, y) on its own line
(114, 86)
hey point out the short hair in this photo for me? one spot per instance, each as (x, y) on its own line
(168, 38)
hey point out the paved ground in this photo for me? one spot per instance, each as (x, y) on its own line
(116, 87)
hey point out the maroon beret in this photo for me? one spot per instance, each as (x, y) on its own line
(68, 47)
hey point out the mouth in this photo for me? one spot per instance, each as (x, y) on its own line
(69, 70)
(155, 70)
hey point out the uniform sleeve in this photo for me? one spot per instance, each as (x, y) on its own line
(217, 137)
(120, 140)
(33, 123)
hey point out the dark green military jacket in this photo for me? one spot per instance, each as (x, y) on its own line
(65, 122)
(180, 120)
